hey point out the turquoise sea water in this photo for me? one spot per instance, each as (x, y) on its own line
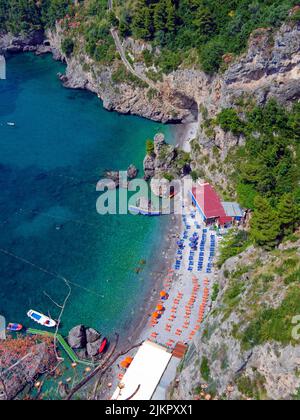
(50, 163)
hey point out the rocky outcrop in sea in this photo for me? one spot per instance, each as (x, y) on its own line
(165, 161)
(85, 341)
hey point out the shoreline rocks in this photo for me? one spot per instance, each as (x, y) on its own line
(166, 161)
(85, 341)
(77, 337)
(117, 180)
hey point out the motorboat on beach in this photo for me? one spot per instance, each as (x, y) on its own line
(14, 327)
(41, 319)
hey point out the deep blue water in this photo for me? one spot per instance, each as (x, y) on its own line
(50, 163)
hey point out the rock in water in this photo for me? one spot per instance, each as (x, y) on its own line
(93, 348)
(149, 167)
(92, 335)
(159, 142)
(77, 337)
(132, 172)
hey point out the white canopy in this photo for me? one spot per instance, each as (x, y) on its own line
(144, 374)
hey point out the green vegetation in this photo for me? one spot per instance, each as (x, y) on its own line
(234, 243)
(252, 388)
(122, 75)
(204, 369)
(168, 177)
(150, 147)
(211, 27)
(19, 16)
(228, 120)
(267, 168)
(97, 21)
(265, 224)
(215, 292)
(67, 46)
(274, 324)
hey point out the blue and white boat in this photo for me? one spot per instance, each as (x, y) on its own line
(41, 319)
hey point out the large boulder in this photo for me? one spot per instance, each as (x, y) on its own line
(77, 337)
(92, 335)
(93, 348)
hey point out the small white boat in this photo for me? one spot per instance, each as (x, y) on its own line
(11, 124)
(41, 319)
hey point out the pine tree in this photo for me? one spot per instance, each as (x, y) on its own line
(159, 16)
(265, 224)
(204, 21)
(147, 23)
(141, 24)
(124, 29)
(289, 214)
(171, 16)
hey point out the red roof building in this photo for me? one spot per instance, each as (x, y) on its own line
(209, 204)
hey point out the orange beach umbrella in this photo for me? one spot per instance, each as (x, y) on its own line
(124, 364)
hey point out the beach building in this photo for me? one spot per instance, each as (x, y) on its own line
(209, 205)
(144, 373)
(233, 210)
(2, 68)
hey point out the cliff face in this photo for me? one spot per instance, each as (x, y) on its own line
(246, 349)
(269, 68)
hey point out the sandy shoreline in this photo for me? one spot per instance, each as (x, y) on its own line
(184, 134)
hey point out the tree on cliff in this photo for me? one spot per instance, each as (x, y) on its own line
(150, 147)
(171, 16)
(289, 213)
(265, 224)
(205, 22)
(141, 22)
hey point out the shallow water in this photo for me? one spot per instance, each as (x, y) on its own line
(50, 162)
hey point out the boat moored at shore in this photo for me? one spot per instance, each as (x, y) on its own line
(41, 319)
(14, 327)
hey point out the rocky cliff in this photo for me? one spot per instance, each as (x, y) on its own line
(249, 347)
(269, 68)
